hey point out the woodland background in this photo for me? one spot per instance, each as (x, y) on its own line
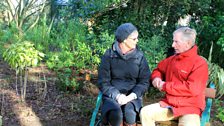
(50, 51)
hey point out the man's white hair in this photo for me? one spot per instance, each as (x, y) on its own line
(189, 34)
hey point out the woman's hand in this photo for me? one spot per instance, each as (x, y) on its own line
(122, 99)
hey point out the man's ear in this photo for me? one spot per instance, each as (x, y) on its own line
(189, 43)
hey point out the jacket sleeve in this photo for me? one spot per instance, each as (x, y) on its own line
(143, 79)
(104, 77)
(193, 86)
(160, 70)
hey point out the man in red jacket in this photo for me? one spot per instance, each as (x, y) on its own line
(183, 78)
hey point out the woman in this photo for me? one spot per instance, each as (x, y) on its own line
(123, 78)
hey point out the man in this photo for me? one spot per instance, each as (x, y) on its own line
(183, 78)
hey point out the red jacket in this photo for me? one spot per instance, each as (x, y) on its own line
(185, 77)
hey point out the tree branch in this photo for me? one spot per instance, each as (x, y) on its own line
(38, 17)
(110, 8)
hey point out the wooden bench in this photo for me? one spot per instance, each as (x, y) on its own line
(210, 93)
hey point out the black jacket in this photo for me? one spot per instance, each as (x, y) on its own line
(120, 73)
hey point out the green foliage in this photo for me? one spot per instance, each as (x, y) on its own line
(221, 41)
(220, 110)
(154, 49)
(72, 48)
(160, 18)
(92, 7)
(58, 60)
(62, 63)
(80, 58)
(70, 43)
(211, 25)
(40, 35)
(216, 76)
(105, 42)
(8, 36)
(67, 81)
(66, 34)
(84, 8)
(22, 55)
(156, 20)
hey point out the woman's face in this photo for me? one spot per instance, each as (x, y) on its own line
(132, 40)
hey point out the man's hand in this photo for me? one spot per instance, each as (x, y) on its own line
(122, 99)
(161, 85)
(158, 83)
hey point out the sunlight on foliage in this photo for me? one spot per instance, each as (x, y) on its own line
(216, 76)
(22, 55)
(220, 110)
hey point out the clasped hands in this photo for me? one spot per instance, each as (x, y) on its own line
(158, 83)
(123, 99)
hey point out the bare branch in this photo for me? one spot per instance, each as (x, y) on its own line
(28, 5)
(38, 17)
(10, 7)
(110, 8)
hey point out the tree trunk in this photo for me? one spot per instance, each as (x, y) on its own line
(45, 86)
(25, 83)
(17, 92)
(21, 84)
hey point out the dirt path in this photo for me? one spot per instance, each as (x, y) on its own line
(55, 109)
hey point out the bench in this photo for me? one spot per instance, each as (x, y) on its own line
(210, 93)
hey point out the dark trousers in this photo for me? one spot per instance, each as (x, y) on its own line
(126, 113)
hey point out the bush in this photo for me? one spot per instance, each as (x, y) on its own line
(20, 56)
(154, 49)
(220, 110)
(71, 49)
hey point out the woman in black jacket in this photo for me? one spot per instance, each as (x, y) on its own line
(123, 78)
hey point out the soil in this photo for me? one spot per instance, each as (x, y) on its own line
(46, 105)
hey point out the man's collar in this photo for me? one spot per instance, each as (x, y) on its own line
(188, 53)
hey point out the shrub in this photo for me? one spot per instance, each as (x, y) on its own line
(21, 56)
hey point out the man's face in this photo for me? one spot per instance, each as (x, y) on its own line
(180, 45)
